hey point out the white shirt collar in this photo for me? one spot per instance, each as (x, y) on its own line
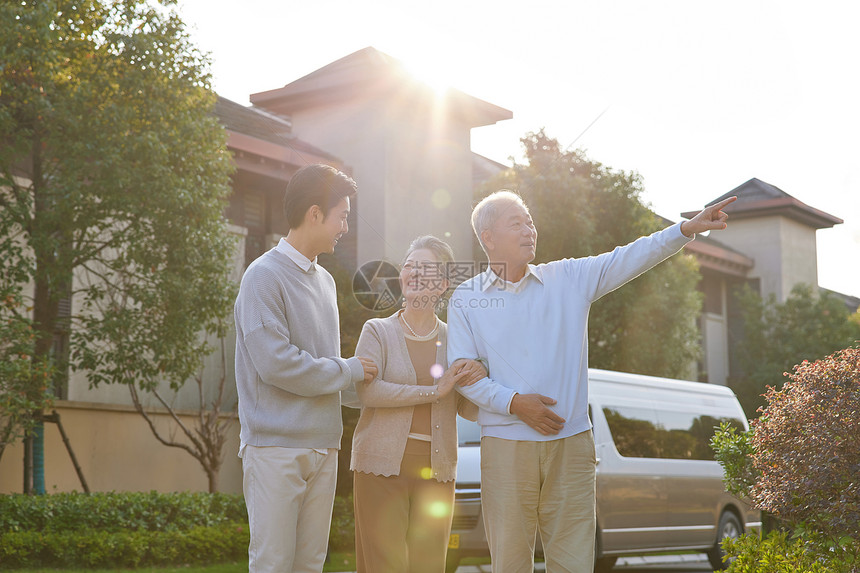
(302, 261)
(489, 278)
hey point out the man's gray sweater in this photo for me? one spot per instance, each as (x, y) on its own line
(289, 372)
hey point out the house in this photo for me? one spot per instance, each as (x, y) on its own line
(770, 245)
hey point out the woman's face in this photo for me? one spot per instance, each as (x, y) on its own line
(422, 278)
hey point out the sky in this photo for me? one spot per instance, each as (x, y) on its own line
(696, 97)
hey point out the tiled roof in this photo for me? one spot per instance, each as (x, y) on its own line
(759, 199)
(262, 125)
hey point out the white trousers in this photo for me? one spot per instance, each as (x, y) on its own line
(289, 493)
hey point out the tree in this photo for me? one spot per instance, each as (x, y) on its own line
(807, 326)
(113, 180)
(204, 439)
(23, 381)
(583, 208)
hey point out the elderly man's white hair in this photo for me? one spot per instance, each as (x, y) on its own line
(490, 209)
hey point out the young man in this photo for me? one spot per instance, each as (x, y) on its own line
(529, 323)
(289, 375)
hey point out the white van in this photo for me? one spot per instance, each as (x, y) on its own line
(658, 486)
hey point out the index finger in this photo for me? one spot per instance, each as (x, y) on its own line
(723, 203)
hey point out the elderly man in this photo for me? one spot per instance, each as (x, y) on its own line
(529, 323)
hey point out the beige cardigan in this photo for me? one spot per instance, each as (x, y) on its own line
(387, 405)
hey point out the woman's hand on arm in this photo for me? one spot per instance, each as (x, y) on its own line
(473, 370)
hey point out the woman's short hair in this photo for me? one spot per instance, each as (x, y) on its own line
(440, 248)
(490, 208)
(316, 184)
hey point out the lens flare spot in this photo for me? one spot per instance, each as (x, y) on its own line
(426, 473)
(436, 371)
(447, 234)
(438, 343)
(439, 509)
(440, 198)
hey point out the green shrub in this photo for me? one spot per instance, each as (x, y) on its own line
(806, 447)
(112, 530)
(781, 553)
(88, 549)
(118, 512)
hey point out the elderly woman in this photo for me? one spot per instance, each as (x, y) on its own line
(404, 451)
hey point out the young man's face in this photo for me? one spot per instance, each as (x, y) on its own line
(334, 226)
(513, 238)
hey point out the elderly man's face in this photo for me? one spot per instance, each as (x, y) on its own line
(513, 237)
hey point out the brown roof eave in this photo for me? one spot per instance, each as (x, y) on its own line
(289, 155)
(719, 259)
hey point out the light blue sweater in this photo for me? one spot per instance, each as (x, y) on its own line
(534, 334)
(289, 373)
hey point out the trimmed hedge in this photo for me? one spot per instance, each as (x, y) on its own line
(122, 529)
(130, 530)
(89, 549)
(119, 512)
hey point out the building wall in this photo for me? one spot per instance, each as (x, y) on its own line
(117, 452)
(784, 252)
(799, 255)
(413, 171)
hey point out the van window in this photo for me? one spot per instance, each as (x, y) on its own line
(646, 433)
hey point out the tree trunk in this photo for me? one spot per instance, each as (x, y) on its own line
(45, 311)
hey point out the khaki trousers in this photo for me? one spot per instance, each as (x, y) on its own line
(289, 493)
(539, 486)
(402, 522)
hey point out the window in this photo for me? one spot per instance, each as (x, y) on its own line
(646, 433)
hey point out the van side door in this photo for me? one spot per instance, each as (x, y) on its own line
(631, 499)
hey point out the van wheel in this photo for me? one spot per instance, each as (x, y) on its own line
(452, 562)
(729, 527)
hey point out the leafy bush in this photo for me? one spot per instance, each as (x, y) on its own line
(733, 449)
(806, 447)
(781, 553)
(799, 462)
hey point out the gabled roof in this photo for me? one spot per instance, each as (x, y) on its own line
(370, 73)
(759, 199)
